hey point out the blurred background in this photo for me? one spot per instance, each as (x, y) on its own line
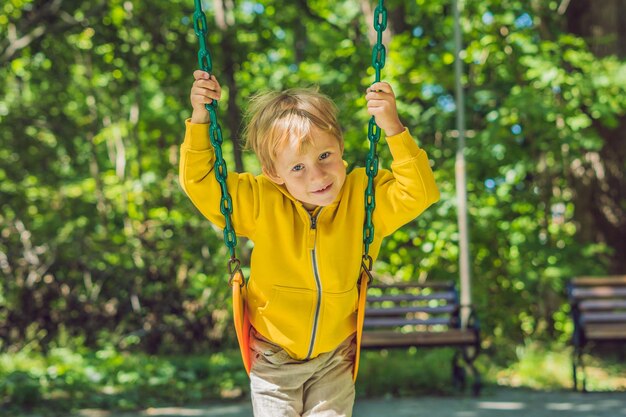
(113, 289)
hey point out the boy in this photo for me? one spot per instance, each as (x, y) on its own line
(305, 216)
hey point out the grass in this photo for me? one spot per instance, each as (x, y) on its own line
(551, 369)
(536, 366)
(65, 380)
(405, 372)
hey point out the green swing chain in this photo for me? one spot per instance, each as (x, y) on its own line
(215, 135)
(373, 134)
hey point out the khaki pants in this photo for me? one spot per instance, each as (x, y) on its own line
(284, 387)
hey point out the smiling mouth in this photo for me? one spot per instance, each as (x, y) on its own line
(323, 189)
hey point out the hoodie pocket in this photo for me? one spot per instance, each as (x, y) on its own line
(288, 316)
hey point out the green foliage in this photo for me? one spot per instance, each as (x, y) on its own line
(402, 373)
(66, 380)
(537, 368)
(94, 224)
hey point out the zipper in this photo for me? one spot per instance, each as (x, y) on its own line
(318, 281)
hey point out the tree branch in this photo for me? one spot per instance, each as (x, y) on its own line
(13, 44)
(309, 12)
(49, 19)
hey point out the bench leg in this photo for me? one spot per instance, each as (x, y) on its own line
(582, 367)
(574, 366)
(464, 357)
(458, 372)
(578, 367)
(469, 355)
(574, 373)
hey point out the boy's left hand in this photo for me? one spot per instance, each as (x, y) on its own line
(381, 103)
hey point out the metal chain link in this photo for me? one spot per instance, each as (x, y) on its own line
(373, 134)
(215, 136)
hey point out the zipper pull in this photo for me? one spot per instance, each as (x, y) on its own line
(313, 217)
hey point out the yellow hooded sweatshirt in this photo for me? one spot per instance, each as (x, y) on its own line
(302, 291)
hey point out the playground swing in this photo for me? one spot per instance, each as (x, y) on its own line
(237, 280)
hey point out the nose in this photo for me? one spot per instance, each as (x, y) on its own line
(317, 173)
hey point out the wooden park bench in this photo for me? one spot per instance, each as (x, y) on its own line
(422, 315)
(598, 306)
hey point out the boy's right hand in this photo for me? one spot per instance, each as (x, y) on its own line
(204, 90)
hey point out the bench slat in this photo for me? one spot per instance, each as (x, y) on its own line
(598, 292)
(603, 331)
(607, 304)
(452, 337)
(407, 285)
(595, 281)
(397, 311)
(449, 296)
(613, 317)
(393, 322)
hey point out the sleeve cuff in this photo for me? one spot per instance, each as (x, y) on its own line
(403, 147)
(197, 136)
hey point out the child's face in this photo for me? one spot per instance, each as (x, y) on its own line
(314, 176)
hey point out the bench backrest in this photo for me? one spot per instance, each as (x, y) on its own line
(598, 307)
(412, 306)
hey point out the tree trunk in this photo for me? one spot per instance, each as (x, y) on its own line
(223, 20)
(600, 23)
(600, 184)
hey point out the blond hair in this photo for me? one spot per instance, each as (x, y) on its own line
(277, 118)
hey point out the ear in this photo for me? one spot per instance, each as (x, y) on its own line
(272, 176)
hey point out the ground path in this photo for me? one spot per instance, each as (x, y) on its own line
(493, 403)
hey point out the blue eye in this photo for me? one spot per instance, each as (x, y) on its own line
(298, 167)
(325, 155)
